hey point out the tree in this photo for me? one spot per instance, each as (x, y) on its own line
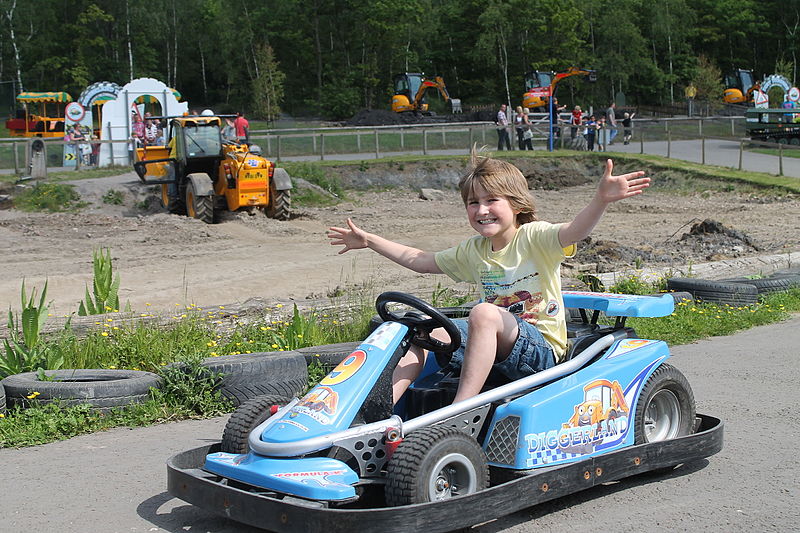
(708, 81)
(268, 85)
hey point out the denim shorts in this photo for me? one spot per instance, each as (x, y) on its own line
(531, 352)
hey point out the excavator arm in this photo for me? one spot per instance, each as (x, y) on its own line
(437, 83)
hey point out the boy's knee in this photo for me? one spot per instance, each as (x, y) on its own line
(484, 314)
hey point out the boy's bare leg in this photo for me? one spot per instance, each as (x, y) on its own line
(492, 334)
(406, 371)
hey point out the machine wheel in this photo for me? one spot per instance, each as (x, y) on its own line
(245, 419)
(435, 463)
(280, 202)
(665, 409)
(199, 207)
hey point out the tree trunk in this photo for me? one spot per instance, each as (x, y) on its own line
(128, 37)
(12, 35)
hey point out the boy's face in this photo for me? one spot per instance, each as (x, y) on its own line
(491, 216)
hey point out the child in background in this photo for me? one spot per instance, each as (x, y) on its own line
(520, 326)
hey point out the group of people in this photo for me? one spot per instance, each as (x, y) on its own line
(85, 142)
(146, 131)
(598, 132)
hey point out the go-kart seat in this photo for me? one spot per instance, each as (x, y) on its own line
(580, 343)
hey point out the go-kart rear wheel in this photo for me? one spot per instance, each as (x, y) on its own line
(666, 408)
(433, 464)
(246, 418)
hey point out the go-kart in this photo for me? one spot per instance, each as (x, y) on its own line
(344, 458)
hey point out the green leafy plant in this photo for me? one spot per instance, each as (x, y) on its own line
(28, 352)
(114, 197)
(191, 389)
(53, 197)
(105, 287)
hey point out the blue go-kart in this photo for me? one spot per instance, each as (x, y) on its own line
(344, 458)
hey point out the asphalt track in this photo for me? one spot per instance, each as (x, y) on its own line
(115, 481)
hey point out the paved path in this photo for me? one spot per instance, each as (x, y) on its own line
(115, 481)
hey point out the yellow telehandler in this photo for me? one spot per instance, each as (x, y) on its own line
(201, 174)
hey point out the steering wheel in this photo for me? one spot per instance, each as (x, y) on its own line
(427, 324)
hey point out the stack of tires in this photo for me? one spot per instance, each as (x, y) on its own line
(737, 291)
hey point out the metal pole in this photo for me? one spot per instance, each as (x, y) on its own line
(425, 142)
(358, 141)
(76, 147)
(733, 130)
(641, 142)
(703, 150)
(321, 146)
(700, 124)
(278, 156)
(402, 139)
(780, 158)
(377, 154)
(471, 141)
(483, 134)
(669, 143)
(269, 147)
(16, 158)
(741, 150)
(313, 144)
(110, 145)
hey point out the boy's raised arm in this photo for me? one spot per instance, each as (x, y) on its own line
(611, 189)
(353, 238)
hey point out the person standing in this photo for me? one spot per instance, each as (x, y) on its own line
(611, 122)
(519, 126)
(591, 132)
(502, 129)
(690, 92)
(627, 125)
(242, 129)
(575, 121)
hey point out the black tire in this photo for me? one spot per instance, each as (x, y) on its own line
(435, 463)
(199, 207)
(101, 388)
(280, 202)
(715, 291)
(665, 409)
(328, 355)
(245, 419)
(2, 400)
(770, 284)
(246, 376)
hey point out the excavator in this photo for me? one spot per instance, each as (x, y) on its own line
(410, 89)
(739, 87)
(536, 80)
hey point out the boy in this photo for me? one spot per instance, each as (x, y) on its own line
(519, 327)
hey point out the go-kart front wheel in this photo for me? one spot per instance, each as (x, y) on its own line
(246, 418)
(666, 408)
(435, 463)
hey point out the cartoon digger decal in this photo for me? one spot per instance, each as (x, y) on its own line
(603, 401)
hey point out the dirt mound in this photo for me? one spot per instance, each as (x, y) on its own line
(717, 241)
(383, 117)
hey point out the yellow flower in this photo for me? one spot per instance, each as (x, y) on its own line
(104, 334)
(214, 354)
(274, 346)
(2, 415)
(222, 307)
(279, 306)
(33, 395)
(112, 367)
(115, 327)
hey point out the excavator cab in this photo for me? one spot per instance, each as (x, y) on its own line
(739, 87)
(538, 78)
(406, 88)
(535, 79)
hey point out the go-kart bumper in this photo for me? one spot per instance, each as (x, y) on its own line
(186, 480)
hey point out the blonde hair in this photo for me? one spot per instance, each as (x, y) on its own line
(499, 178)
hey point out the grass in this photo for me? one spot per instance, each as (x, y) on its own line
(52, 197)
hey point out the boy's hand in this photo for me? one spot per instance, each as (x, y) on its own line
(614, 188)
(352, 237)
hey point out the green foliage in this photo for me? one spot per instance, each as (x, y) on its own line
(114, 197)
(105, 286)
(268, 84)
(28, 352)
(52, 197)
(190, 389)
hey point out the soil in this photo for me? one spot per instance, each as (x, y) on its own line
(167, 260)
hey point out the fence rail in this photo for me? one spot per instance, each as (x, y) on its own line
(653, 135)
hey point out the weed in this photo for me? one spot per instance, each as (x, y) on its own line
(53, 197)
(191, 390)
(105, 287)
(114, 197)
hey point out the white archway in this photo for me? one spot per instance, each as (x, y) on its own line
(117, 117)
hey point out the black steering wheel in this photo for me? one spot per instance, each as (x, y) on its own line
(421, 323)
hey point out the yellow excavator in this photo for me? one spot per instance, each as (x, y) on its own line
(535, 98)
(739, 87)
(410, 89)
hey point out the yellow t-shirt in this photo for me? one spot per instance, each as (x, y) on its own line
(524, 277)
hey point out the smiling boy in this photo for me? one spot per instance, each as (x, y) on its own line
(519, 327)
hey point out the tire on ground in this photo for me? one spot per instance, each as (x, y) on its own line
(246, 376)
(245, 419)
(2, 400)
(715, 291)
(103, 389)
(328, 355)
(770, 284)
